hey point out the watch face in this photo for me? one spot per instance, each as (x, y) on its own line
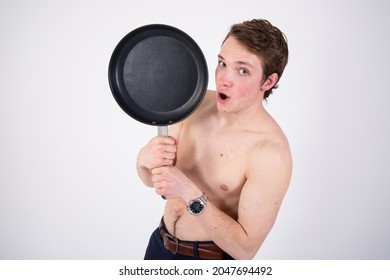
(196, 207)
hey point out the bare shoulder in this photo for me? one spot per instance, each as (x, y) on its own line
(205, 110)
(270, 160)
(209, 97)
(207, 105)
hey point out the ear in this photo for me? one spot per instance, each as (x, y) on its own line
(270, 82)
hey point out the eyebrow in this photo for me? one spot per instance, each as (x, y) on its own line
(244, 63)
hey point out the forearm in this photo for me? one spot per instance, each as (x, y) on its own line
(240, 240)
(227, 233)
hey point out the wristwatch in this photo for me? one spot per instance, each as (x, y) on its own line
(196, 206)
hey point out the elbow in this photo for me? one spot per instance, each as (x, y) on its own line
(245, 256)
(246, 253)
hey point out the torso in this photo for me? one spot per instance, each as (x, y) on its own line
(214, 156)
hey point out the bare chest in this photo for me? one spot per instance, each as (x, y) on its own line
(216, 163)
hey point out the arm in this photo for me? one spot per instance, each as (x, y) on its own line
(268, 177)
(267, 181)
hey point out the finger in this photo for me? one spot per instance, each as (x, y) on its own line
(160, 192)
(160, 170)
(168, 155)
(170, 148)
(155, 179)
(162, 162)
(167, 140)
(167, 162)
(166, 149)
(156, 171)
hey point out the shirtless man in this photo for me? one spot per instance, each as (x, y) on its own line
(224, 170)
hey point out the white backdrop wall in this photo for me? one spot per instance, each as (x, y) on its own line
(68, 185)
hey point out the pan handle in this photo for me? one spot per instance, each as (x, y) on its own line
(162, 131)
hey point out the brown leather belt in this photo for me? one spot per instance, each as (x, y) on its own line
(205, 250)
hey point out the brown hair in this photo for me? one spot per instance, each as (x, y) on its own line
(260, 37)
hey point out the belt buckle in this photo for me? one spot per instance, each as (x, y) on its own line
(174, 239)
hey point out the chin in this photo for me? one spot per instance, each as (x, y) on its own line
(222, 109)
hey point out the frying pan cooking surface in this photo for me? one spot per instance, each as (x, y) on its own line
(158, 74)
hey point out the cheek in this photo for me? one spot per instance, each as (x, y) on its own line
(248, 88)
(217, 74)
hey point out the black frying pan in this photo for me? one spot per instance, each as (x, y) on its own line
(158, 75)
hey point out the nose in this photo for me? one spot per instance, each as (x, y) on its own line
(223, 78)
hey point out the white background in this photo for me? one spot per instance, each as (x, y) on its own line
(68, 185)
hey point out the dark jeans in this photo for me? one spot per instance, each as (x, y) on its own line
(157, 251)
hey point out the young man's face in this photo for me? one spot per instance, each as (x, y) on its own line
(238, 78)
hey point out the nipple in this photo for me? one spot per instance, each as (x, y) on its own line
(224, 187)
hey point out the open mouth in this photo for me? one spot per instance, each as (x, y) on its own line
(222, 96)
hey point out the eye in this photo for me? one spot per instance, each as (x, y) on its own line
(243, 71)
(221, 64)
